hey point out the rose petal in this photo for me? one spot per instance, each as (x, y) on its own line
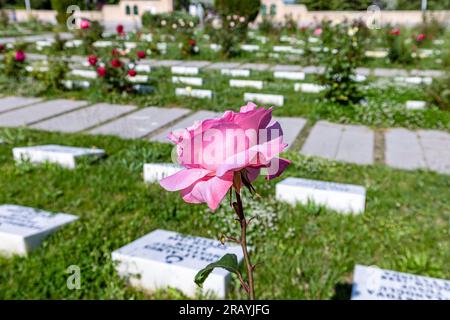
(183, 179)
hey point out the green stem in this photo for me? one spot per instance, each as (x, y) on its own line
(240, 212)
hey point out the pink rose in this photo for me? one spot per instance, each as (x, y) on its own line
(420, 37)
(141, 54)
(84, 24)
(395, 32)
(116, 63)
(211, 151)
(92, 60)
(20, 56)
(317, 32)
(101, 71)
(119, 29)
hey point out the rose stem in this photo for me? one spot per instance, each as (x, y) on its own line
(240, 212)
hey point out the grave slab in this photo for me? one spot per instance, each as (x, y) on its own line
(255, 66)
(323, 140)
(372, 283)
(195, 64)
(357, 145)
(141, 123)
(291, 128)
(436, 147)
(168, 259)
(22, 229)
(10, 103)
(85, 118)
(40, 111)
(65, 156)
(153, 172)
(287, 68)
(403, 150)
(223, 65)
(344, 198)
(163, 63)
(184, 123)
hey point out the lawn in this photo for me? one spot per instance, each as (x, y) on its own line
(305, 252)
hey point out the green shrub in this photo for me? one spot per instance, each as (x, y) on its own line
(12, 67)
(229, 32)
(4, 19)
(346, 44)
(51, 79)
(244, 8)
(90, 35)
(439, 92)
(268, 27)
(398, 50)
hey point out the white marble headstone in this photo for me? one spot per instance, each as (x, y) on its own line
(191, 81)
(273, 99)
(372, 283)
(62, 155)
(235, 72)
(257, 84)
(90, 74)
(184, 70)
(103, 44)
(22, 229)
(289, 75)
(345, 198)
(415, 104)
(73, 84)
(153, 172)
(250, 47)
(164, 259)
(308, 87)
(195, 93)
(143, 68)
(139, 78)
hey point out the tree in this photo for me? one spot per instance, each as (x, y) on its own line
(245, 8)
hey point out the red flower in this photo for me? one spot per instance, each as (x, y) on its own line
(192, 42)
(101, 71)
(2, 47)
(20, 56)
(84, 24)
(420, 37)
(395, 32)
(115, 52)
(119, 29)
(132, 73)
(92, 60)
(116, 63)
(141, 54)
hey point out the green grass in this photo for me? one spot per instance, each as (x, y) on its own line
(306, 252)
